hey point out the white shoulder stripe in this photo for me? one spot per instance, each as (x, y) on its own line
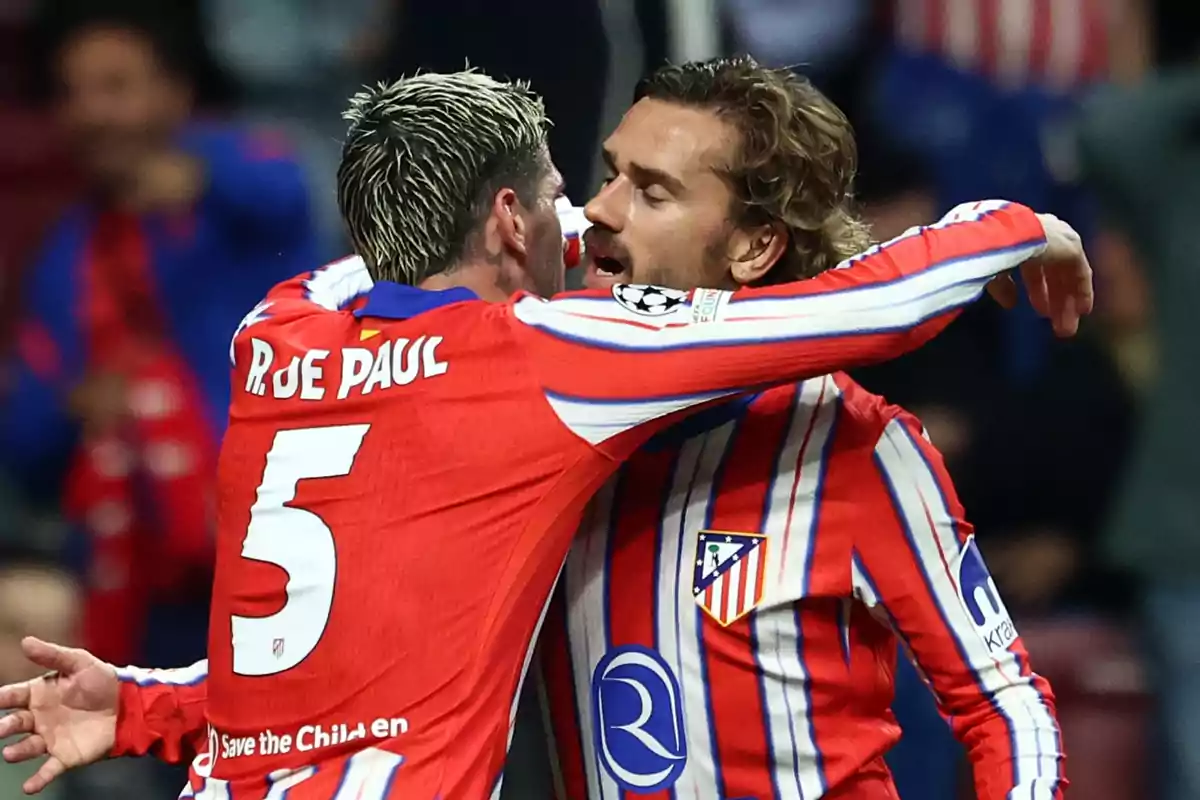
(337, 283)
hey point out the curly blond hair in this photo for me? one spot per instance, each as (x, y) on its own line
(794, 163)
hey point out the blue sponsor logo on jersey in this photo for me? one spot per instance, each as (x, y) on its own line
(982, 601)
(637, 713)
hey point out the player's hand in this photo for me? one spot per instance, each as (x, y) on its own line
(69, 715)
(1058, 282)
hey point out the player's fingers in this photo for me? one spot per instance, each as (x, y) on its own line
(1003, 290)
(1084, 286)
(1071, 289)
(1056, 296)
(1066, 317)
(52, 656)
(44, 776)
(1066, 303)
(1033, 276)
(19, 721)
(15, 695)
(29, 747)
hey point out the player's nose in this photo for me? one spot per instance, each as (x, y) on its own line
(604, 209)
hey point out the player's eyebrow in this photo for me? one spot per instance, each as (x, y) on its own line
(644, 175)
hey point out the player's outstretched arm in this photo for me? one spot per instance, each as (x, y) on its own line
(612, 361)
(920, 566)
(85, 709)
(68, 715)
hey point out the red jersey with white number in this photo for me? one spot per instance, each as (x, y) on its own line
(403, 473)
(733, 602)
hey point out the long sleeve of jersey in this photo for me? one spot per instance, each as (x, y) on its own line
(922, 569)
(161, 712)
(610, 361)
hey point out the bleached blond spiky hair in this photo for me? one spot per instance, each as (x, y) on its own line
(423, 160)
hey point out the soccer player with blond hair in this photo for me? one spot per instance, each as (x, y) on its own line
(411, 448)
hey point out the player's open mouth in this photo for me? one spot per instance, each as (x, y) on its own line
(609, 266)
(604, 272)
(604, 267)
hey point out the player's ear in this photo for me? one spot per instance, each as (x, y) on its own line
(509, 226)
(753, 251)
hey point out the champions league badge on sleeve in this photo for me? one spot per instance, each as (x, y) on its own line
(649, 301)
(637, 725)
(982, 601)
(729, 575)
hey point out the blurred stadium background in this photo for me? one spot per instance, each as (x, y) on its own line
(1079, 461)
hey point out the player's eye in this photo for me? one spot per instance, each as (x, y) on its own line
(653, 196)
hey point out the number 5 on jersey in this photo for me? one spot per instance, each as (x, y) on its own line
(299, 542)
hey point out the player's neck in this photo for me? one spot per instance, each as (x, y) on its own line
(482, 279)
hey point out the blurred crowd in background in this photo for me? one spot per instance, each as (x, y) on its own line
(163, 164)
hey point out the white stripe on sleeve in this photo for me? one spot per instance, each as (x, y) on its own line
(597, 421)
(601, 321)
(936, 549)
(180, 676)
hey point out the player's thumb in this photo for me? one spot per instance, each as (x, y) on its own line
(51, 656)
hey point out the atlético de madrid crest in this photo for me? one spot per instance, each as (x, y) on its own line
(729, 576)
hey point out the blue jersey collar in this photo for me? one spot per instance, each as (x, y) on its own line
(398, 301)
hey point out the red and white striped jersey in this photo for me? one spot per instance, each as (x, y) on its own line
(404, 471)
(733, 603)
(1062, 44)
